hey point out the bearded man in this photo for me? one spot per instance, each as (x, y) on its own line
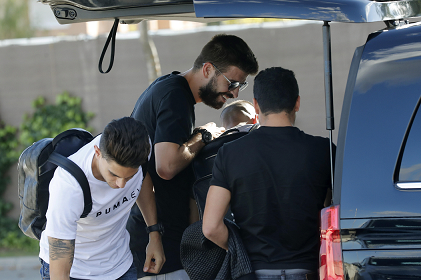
(166, 108)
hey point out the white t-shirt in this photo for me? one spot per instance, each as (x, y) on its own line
(101, 239)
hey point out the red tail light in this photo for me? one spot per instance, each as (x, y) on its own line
(330, 250)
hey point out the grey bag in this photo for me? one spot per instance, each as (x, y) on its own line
(36, 167)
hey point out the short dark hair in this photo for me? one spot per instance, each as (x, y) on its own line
(126, 142)
(276, 90)
(228, 50)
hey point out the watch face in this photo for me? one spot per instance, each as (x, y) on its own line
(206, 137)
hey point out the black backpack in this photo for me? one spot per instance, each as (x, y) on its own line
(36, 167)
(203, 165)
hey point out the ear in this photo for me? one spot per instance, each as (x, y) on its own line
(297, 105)
(207, 70)
(97, 152)
(256, 106)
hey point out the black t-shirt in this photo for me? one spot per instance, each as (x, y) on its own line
(167, 110)
(278, 178)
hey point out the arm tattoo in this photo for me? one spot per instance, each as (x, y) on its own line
(61, 249)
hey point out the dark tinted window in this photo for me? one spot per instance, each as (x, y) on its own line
(411, 161)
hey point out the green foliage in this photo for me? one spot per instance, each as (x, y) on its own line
(49, 120)
(16, 240)
(14, 19)
(46, 121)
(8, 155)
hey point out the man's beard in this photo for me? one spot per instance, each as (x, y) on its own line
(210, 96)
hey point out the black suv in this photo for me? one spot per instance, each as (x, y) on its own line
(373, 228)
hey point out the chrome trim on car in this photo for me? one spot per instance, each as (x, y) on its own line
(408, 186)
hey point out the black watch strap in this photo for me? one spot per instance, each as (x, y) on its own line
(206, 135)
(157, 227)
(197, 130)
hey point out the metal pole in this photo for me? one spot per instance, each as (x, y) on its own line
(330, 117)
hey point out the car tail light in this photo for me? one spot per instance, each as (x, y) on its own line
(330, 249)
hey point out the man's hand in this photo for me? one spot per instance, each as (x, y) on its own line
(155, 257)
(213, 129)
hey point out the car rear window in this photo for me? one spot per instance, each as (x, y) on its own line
(410, 169)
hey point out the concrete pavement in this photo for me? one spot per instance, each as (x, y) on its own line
(20, 268)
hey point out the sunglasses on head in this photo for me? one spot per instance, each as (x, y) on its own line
(233, 85)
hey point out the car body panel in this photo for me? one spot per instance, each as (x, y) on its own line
(68, 12)
(114, 4)
(389, 76)
(381, 234)
(382, 265)
(380, 224)
(325, 10)
(71, 11)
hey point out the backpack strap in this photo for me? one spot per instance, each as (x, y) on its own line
(76, 172)
(73, 131)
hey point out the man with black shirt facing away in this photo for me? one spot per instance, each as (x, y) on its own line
(276, 189)
(167, 109)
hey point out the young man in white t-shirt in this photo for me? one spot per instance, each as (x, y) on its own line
(97, 247)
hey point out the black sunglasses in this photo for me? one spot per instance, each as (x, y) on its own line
(233, 85)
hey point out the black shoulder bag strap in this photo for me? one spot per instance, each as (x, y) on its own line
(76, 172)
(229, 131)
(111, 37)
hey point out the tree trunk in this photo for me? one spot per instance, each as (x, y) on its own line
(149, 50)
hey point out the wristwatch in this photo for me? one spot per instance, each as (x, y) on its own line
(157, 227)
(206, 135)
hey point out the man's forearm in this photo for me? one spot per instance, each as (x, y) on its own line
(189, 150)
(218, 235)
(61, 258)
(155, 257)
(217, 204)
(172, 158)
(146, 201)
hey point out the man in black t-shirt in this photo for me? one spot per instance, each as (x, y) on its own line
(276, 180)
(167, 110)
